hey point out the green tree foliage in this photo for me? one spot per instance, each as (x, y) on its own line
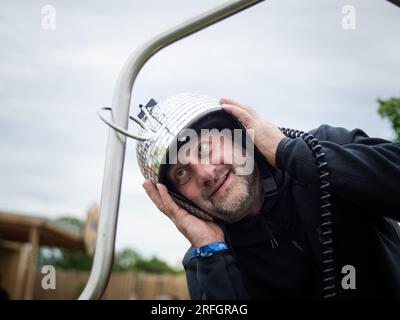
(127, 259)
(65, 259)
(390, 109)
(72, 223)
(156, 265)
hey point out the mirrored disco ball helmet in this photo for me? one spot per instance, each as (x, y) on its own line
(167, 119)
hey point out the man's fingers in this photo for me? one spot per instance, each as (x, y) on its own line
(242, 115)
(250, 110)
(153, 193)
(172, 210)
(161, 198)
(232, 101)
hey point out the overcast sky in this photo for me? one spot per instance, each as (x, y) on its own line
(291, 60)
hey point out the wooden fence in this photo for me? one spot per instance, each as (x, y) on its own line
(122, 285)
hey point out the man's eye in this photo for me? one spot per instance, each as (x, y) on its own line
(181, 175)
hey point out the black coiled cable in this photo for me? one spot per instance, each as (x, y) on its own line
(325, 226)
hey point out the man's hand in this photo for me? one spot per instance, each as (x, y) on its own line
(197, 231)
(266, 135)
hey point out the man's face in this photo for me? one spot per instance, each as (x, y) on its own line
(209, 178)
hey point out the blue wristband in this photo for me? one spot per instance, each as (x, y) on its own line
(209, 249)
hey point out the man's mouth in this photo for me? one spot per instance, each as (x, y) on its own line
(221, 183)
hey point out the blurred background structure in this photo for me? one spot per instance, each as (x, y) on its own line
(28, 243)
(21, 238)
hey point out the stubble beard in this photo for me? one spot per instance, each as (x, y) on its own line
(236, 209)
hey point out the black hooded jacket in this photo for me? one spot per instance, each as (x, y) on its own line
(277, 254)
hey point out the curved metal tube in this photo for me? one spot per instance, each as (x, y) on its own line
(125, 132)
(115, 154)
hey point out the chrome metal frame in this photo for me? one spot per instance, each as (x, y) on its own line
(111, 189)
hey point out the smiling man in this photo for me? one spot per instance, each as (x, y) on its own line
(256, 233)
(210, 175)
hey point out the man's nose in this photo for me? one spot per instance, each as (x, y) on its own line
(204, 172)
